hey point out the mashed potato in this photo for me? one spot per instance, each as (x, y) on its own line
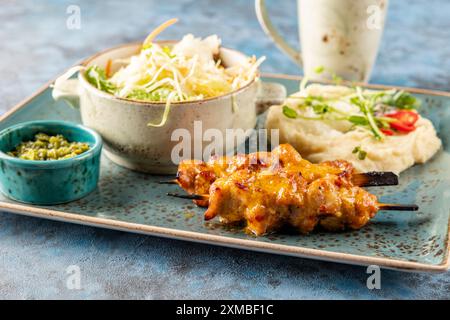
(321, 140)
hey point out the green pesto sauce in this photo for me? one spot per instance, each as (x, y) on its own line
(46, 147)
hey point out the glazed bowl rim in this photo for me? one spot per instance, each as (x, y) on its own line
(52, 164)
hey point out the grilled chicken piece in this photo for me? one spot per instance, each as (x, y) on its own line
(196, 176)
(267, 200)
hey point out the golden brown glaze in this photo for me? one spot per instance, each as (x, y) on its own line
(196, 176)
(269, 190)
(267, 201)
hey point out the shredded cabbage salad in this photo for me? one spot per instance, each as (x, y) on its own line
(187, 71)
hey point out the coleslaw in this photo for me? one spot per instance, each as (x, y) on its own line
(189, 70)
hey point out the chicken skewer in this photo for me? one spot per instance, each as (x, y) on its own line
(268, 202)
(269, 190)
(196, 177)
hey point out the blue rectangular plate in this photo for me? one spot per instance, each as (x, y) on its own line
(134, 202)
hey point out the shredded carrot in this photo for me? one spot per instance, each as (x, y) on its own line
(108, 68)
(158, 30)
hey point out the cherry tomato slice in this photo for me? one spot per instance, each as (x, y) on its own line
(387, 132)
(406, 117)
(397, 125)
(406, 120)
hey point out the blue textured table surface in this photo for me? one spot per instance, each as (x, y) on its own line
(35, 254)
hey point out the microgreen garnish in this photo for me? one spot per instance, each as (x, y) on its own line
(320, 108)
(358, 120)
(360, 153)
(366, 106)
(373, 106)
(336, 79)
(289, 112)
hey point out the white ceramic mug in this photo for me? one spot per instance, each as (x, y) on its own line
(122, 123)
(342, 36)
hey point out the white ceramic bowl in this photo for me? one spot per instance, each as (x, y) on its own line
(122, 123)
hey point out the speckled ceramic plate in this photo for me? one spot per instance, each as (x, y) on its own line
(134, 202)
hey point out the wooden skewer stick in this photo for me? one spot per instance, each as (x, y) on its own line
(189, 196)
(174, 181)
(375, 179)
(398, 207)
(368, 179)
(382, 206)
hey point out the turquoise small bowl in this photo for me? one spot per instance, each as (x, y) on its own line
(52, 181)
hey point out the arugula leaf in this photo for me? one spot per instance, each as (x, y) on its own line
(401, 100)
(97, 77)
(289, 112)
(406, 101)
